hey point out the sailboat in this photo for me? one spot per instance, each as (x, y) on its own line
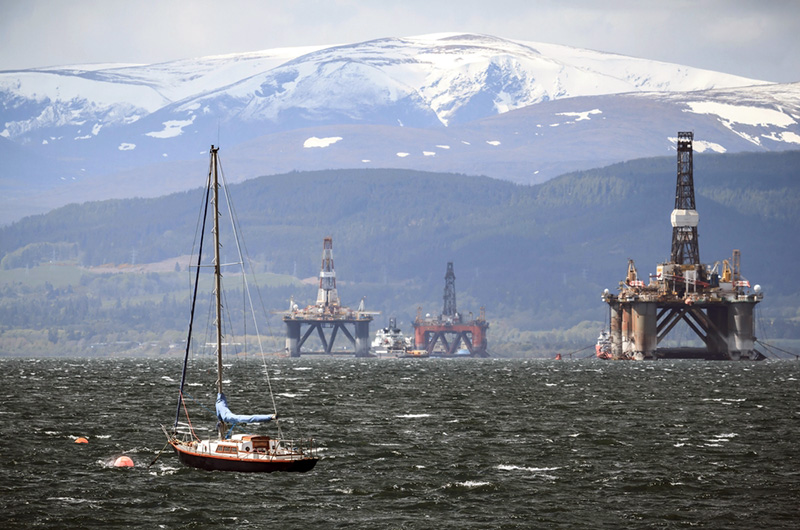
(228, 451)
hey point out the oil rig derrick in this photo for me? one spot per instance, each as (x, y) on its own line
(327, 317)
(718, 306)
(449, 334)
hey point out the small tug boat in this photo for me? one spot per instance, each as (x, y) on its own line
(603, 347)
(390, 342)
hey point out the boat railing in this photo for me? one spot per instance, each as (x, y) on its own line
(183, 429)
(303, 446)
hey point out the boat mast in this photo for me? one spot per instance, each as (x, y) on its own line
(217, 276)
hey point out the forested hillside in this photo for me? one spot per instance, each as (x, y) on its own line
(536, 257)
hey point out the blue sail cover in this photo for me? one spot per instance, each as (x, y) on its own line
(224, 414)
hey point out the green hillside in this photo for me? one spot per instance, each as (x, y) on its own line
(536, 257)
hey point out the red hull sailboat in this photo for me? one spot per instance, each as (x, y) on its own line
(231, 452)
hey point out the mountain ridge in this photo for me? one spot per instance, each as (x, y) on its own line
(442, 102)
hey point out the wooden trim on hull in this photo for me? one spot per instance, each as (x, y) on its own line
(212, 463)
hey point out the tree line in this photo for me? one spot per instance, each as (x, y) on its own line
(536, 257)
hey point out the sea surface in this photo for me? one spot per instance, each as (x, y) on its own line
(418, 443)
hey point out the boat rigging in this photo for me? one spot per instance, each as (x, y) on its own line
(227, 451)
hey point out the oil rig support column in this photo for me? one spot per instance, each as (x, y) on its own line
(626, 344)
(362, 338)
(616, 331)
(742, 340)
(719, 316)
(645, 332)
(293, 338)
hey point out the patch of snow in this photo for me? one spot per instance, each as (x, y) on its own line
(580, 116)
(752, 139)
(702, 146)
(321, 142)
(443, 146)
(172, 128)
(742, 114)
(366, 161)
(402, 155)
(493, 142)
(96, 128)
(87, 137)
(429, 153)
(70, 88)
(789, 137)
(126, 147)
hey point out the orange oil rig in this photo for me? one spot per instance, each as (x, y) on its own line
(449, 334)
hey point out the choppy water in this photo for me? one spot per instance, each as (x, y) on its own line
(417, 444)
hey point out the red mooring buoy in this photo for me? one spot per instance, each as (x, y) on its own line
(81, 440)
(123, 461)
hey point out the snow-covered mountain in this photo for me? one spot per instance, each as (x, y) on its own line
(514, 110)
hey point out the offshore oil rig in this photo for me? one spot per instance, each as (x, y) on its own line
(327, 317)
(449, 335)
(717, 306)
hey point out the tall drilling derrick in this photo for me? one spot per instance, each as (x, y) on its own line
(449, 309)
(327, 317)
(684, 217)
(718, 308)
(327, 296)
(684, 272)
(449, 335)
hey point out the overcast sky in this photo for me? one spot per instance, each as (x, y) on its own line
(757, 39)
